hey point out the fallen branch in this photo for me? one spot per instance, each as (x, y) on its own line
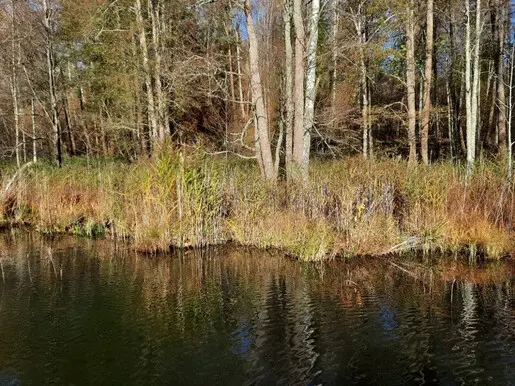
(410, 243)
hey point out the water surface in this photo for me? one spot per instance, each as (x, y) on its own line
(78, 311)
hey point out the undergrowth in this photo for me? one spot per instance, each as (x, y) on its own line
(348, 207)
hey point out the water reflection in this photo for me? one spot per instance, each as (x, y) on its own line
(83, 311)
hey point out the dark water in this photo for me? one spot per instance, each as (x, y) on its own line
(84, 312)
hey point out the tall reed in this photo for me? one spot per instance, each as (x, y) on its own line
(348, 207)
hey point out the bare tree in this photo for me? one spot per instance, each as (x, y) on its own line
(501, 16)
(240, 76)
(33, 124)
(360, 23)
(510, 113)
(288, 87)
(472, 83)
(49, 10)
(411, 81)
(309, 113)
(298, 97)
(426, 112)
(15, 59)
(262, 143)
(151, 105)
(154, 9)
(334, 56)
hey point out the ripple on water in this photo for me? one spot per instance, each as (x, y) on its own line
(241, 318)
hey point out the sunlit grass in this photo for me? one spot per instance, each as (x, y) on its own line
(349, 207)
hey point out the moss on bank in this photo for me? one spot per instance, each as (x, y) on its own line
(349, 207)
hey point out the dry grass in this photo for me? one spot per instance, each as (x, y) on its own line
(350, 207)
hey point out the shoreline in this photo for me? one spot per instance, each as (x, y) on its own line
(350, 208)
(464, 253)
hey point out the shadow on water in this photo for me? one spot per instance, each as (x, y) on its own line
(83, 311)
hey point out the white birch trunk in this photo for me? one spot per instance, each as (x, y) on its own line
(472, 83)
(309, 112)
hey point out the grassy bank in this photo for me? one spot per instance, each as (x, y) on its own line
(349, 207)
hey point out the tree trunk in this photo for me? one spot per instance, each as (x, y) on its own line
(33, 123)
(51, 81)
(288, 86)
(493, 120)
(263, 149)
(476, 88)
(154, 11)
(365, 102)
(151, 106)
(410, 82)
(69, 132)
(450, 126)
(426, 113)
(15, 58)
(456, 90)
(471, 131)
(141, 127)
(16, 115)
(309, 106)
(510, 114)
(334, 52)
(278, 148)
(141, 132)
(240, 82)
(501, 124)
(231, 67)
(71, 116)
(360, 22)
(298, 97)
(23, 141)
(472, 84)
(369, 121)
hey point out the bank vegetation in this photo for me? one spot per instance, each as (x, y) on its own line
(351, 207)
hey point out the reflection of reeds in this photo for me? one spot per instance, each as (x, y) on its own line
(196, 287)
(351, 207)
(256, 310)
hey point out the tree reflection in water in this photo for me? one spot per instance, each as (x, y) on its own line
(239, 316)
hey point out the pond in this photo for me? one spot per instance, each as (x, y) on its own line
(77, 311)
